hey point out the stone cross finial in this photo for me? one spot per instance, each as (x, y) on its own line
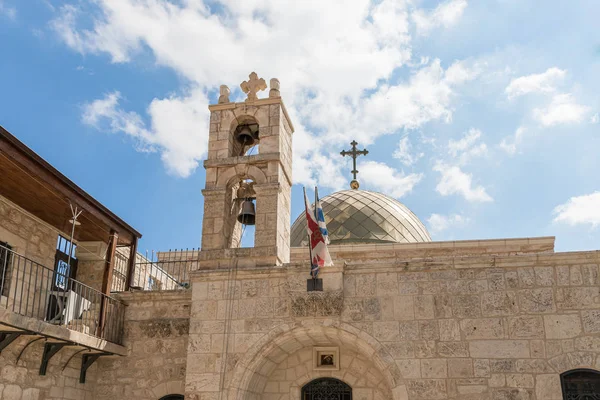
(354, 153)
(253, 85)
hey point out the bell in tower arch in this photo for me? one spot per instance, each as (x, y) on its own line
(246, 135)
(245, 192)
(247, 214)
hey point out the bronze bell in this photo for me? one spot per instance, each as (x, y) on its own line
(248, 214)
(244, 136)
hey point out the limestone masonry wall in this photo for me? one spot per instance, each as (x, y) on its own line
(21, 380)
(483, 326)
(156, 330)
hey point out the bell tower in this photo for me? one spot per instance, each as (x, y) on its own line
(248, 178)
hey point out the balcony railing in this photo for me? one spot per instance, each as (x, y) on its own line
(164, 270)
(33, 290)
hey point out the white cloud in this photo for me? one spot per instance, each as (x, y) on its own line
(405, 154)
(562, 109)
(179, 131)
(386, 179)
(510, 144)
(445, 14)
(468, 147)
(595, 118)
(455, 181)
(438, 223)
(8, 11)
(334, 76)
(580, 210)
(546, 82)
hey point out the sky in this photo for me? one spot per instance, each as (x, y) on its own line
(483, 117)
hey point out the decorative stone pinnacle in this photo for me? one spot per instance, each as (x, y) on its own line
(253, 85)
(354, 153)
(274, 92)
(223, 94)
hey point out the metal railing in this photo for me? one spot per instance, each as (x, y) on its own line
(164, 270)
(33, 290)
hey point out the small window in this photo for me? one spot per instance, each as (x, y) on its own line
(580, 384)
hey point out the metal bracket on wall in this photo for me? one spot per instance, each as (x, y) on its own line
(50, 349)
(7, 337)
(86, 361)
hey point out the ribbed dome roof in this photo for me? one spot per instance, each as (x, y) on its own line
(361, 216)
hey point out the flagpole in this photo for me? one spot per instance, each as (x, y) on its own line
(307, 235)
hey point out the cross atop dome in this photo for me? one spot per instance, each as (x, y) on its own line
(354, 152)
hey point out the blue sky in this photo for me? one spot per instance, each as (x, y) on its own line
(482, 117)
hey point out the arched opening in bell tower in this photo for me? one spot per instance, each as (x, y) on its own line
(245, 132)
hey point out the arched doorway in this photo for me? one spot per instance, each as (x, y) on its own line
(580, 384)
(326, 389)
(173, 397)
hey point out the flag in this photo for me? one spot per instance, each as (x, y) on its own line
(321, 217)
(319, 255)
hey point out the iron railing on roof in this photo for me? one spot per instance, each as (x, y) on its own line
(33, 290)
(168, 270)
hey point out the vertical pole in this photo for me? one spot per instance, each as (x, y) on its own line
(131, 263)
(307, 235)
(107, 279)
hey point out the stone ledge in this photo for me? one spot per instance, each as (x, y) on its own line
(59, 332)
(232, 161)
(149, 295)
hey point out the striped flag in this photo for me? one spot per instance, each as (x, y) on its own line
(319, 254)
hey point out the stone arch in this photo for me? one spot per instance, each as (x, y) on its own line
(164, 389)
(285, 339)
(241, 171)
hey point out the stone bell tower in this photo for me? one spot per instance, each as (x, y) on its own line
(249, 164)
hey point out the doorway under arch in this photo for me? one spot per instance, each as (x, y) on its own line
(173, 397)
(326, 389)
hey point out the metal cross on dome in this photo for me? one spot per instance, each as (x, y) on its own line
(354, 152)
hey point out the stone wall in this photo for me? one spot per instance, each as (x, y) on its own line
(26, 234)
(498, 325)
(31, 238)
(21, 380)
(156, 333)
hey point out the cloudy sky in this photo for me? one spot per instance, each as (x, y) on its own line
(483, 117)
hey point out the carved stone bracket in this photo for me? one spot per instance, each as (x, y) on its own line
(317, 304)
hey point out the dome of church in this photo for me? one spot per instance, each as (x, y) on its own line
(362, 216)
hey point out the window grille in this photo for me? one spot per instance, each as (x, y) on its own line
(581, 384)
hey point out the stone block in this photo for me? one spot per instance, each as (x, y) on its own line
(499, 349)
(434, 368)
(483, 328)
(562, 326)
(431, 389)
(499, 303)
(452, 349)
(537, 300)
(526, 327)
(519, 380)
(424, 307)
(409, 369)
(578, 297)
(449, 329)
(403, 308)
(466, 306)
(591, 321)
(547, 387)
(460, 368)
